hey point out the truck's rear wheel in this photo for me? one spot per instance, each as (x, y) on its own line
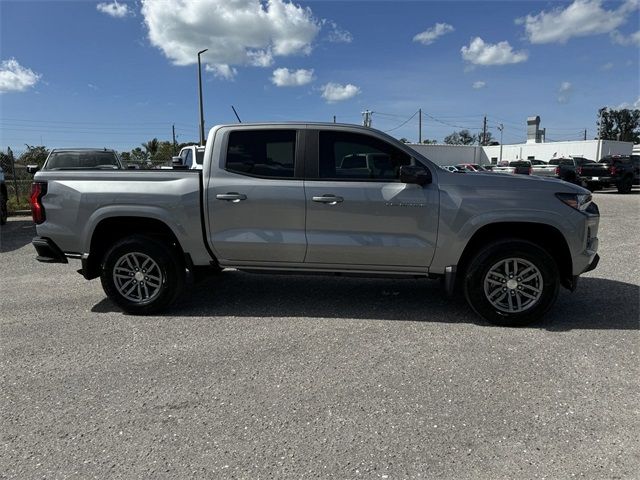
(142, 275)
(512, 282)
(625, 185)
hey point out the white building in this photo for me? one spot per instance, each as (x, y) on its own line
(535, 147)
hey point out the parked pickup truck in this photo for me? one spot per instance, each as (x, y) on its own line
(567, 167)
(612, 170)
(190, 157)
(542, 168)
(519, 167)
(282, 197)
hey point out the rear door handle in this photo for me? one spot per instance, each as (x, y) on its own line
(231, 197)
(330, 199)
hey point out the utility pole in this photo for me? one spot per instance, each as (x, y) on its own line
(334, 119)
(173, 131)
(419, 125)
(585, 134)
(484, 132)
(501, 128)
(366, 118)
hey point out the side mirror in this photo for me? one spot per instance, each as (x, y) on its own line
(32, 169)
(176, 161)
(415, 174)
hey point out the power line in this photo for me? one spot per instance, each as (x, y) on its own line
(403, 123)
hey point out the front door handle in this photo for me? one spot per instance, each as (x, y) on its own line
(330, 199)
(231, 197)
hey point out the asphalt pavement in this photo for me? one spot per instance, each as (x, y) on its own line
(255, 376)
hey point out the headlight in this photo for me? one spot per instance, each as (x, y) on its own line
(575, 200)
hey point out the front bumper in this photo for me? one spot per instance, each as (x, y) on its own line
(48, 251)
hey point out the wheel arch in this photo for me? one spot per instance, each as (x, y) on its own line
(110, 230)
(545, 236)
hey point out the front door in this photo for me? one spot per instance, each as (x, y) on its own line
(358, 211)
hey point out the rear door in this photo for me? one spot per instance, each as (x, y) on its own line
(358, 211)
(256, 202)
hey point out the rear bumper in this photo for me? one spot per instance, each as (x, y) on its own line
(48, 251)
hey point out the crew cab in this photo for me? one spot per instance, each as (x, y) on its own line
(319, 198)
(190, 157)
(567, 167)
(611, 171)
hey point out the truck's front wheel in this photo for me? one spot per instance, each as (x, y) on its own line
(512, 282)
(142, 275)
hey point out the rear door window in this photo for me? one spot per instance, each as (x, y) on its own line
(262, 153)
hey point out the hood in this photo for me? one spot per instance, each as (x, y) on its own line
(508, 182)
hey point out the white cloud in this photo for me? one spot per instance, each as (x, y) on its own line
(620, 39)
(336, 34)
(114, 9)
(283, 77)
(623, 105)
(607, 66)
(479, 84)
(225, 72)
(236, 32)
(480, 53)
(92, 86)
(335, 92)
(564, 92)
(430, 35)
(581, 18)
(16, 78)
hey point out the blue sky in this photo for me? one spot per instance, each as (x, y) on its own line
(82, 73)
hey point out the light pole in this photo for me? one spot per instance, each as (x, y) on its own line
(200, 97)
(501, 128)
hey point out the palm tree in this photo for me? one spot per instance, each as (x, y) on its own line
(152, 147)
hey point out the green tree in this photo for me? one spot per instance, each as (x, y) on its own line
(405, 140)
(34, 155)
(163, 154)
(488, 138)
(151, 147)
(6, 161)
(138, 157)
(623, 124)
(463, 137)
(429, 142)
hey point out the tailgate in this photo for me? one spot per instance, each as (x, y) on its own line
(594, 170)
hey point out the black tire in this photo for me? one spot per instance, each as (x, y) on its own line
(4, 213)
(169, 269)
(491, 256)
(625, 185)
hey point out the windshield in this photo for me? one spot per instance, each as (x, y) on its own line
(82, 160)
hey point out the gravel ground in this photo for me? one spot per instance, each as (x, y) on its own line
(254, 376)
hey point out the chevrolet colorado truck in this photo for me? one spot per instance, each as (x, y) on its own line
(612, 170)
(298, 198)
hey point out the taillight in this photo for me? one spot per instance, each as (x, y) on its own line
(530, 170)
(612, 170)
(38, 190)
(579, 170)
(557, 171)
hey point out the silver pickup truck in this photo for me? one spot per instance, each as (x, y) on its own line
(319, 198)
